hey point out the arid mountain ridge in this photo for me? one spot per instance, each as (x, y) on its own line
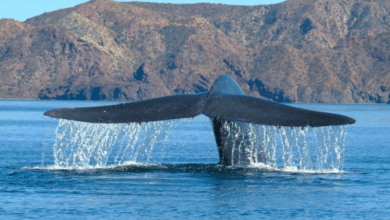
(331, 51)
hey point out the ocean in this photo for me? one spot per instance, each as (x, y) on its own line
(52, 168)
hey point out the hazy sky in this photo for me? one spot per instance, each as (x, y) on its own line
(22, 9)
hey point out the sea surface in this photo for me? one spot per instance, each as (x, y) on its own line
(51, 169)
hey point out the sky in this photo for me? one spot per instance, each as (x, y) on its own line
(22, 9)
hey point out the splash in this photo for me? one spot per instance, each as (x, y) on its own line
(81, 145)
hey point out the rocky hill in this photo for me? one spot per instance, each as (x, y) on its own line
(333, 51)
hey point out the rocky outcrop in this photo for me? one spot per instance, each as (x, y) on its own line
(333, 51)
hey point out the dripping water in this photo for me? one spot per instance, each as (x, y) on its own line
(287, 148)
(87, 145)
(81, 145)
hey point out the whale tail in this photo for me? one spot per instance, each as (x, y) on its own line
(224, 102)
(158, 109)
(214, 105)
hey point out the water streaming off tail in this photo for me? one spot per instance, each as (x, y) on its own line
(289, 148)
(87, 145)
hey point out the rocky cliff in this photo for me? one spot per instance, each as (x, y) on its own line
(333, 51)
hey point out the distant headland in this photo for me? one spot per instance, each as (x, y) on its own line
(327, 51)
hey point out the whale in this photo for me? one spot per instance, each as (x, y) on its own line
(231, 112)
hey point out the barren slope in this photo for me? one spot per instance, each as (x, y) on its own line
(334, 51)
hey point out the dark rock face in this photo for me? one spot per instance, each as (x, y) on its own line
(332, 51)
(140, 74)
(306, 26)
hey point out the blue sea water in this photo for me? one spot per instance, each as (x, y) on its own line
(181, 179)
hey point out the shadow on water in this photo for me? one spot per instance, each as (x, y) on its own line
(169, 168)
(189, 168)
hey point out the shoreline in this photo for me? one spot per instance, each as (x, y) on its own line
(19, 99)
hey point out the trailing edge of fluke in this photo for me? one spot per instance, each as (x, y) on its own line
(225, 100)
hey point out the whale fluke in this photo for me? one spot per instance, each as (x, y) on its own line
(224, 102)
(222, 106)
(259, 111)
(158, 109)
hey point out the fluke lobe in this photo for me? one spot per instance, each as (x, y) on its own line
(224, 102)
